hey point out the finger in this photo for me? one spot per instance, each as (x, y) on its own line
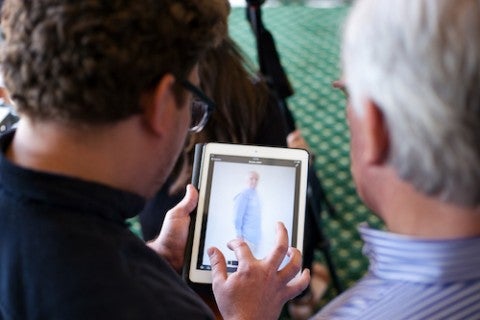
(242, 251)
(297, 285)
(337, 84)
(188, 203)
(292, 136)
(219, 266)
(281, 246)
(294, 265)
(190, 200)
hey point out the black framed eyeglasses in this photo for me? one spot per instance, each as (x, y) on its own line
(202, 106)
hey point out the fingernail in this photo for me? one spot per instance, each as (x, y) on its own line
(279, 225)
(210, 252)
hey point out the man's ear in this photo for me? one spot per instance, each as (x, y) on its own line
(376, 134)
(158, 103)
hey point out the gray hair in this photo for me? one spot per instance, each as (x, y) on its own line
(419, 60)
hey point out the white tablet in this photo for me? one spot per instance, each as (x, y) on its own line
(243, 191)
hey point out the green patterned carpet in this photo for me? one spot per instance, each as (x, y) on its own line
(308, 42)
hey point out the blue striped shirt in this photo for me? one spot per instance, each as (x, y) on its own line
(413, 278)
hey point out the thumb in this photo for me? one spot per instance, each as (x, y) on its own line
(219, 266)
(188, 203)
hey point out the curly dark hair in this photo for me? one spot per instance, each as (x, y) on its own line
(90, 61)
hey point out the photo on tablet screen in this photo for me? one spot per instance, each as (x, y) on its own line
(247, 196)
(244, 191)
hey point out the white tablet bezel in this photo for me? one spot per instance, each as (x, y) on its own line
(257, 156)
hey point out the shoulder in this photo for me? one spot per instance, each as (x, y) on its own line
(96, 274)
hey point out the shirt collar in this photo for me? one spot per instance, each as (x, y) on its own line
(399, 257)
(66, 192)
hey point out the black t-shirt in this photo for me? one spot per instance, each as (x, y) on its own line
(67, 253)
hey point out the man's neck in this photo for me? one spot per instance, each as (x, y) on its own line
(95, 154)
(406, 211)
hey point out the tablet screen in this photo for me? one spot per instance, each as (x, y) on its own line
(243, 196)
